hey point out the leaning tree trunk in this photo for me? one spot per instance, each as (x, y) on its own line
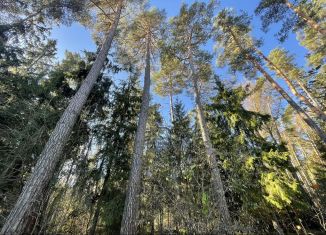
(313, 24)
(300, 173)
(301, 176)
(225, 225)
(310, 122)
(131, 207)
(50, 156)
(310, 96)
(318, 112)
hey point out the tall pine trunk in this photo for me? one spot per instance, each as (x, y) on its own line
(34, 188)
(308, 120)
(129, 221)
(318, 112)
(225, 225)
(313, 24)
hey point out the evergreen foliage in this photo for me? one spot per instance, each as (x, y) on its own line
(248, 158)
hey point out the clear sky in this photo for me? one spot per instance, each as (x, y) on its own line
(77, 38)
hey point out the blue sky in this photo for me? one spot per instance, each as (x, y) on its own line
(77, 38)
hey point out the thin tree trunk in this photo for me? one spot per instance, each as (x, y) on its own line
(225, 218)
(277, 226)
(302, 177)
(171, 107)
(50, 156)
(313, 24)
(312, 141)
(311, 123)
(310, 96)
(131, 208)
(96, 215)
(160, 231)
(319, 113)
(300, 173)
(100, 200)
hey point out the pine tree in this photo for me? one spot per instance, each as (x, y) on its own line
(293, 17)
(51, 153)
(191, 29)
(169, 80)
(282, 64)
(47, 96)
(144, 34)
(240, 54)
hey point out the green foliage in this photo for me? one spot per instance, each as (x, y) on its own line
(30, 109)
(227, 26)
(25, 27)
(256, 172)
(278, 189)
(265, 182)
(169, 80)
(274, 11)
(144, 32)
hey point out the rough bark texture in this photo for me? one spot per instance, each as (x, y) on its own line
(44, 170)
(225, 225)
(318, 112)
(313, 24)
(129, 221)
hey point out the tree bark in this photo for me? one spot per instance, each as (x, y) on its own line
(311, 123)
(313, 24)
(171, 107)
(225, 225)
(50, 156)
(129, 221)
(319, 113)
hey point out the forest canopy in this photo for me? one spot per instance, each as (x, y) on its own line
(201, 119)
